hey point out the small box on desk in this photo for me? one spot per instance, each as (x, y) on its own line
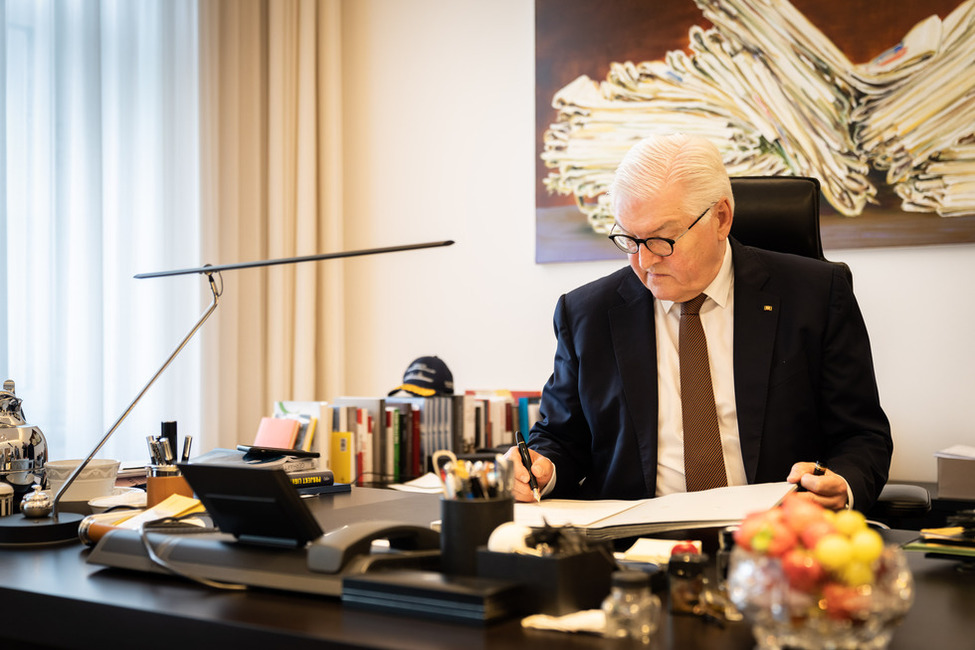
(463, 599)
(552, 584)
(956, 472)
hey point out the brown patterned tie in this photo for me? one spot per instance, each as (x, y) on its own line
(703, 458)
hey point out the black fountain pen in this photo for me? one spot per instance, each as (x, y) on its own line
(818, 470)
(526, 460)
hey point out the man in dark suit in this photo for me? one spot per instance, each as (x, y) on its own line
(790, 363)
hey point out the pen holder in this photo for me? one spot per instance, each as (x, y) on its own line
(159, 488)
(466, 524)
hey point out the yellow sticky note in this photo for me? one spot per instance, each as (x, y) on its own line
(175, 505)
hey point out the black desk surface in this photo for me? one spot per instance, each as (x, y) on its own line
(53, 598)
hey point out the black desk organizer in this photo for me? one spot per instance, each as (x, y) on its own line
(552, 584)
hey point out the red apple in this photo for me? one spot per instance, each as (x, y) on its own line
(799, 512)
(773, 537)
(815, 531)
(746, 531)
(783, 540)
(844, 602)
(801, 569)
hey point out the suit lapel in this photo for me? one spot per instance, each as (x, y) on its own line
(635, 345)
(756, 319)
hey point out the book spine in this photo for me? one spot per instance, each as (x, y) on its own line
(364, 438)
(342, 448)
(322, 442)
(405, 446)
(417, 460)
(311, 480)
(324, 489)
(299, 464)
(392, 445)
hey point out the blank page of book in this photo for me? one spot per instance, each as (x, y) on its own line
(277, 432)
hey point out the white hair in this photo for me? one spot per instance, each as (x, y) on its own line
(661, 160)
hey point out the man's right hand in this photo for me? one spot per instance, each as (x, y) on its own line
(542, 468)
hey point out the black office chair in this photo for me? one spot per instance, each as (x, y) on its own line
(781, 213)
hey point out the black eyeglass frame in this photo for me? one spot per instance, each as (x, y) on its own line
(617, 237)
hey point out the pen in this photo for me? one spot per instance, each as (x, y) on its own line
(167, 450)
(526, 460)
(152, 450)
(187, 443)
(818, 470)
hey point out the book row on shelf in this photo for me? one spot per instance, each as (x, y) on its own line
(381, 440)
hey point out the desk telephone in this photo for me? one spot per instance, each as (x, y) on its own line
(268, 538)
(316, 568)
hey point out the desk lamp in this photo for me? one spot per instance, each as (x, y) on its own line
(59, 526)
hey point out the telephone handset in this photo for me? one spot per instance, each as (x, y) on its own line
(338, 550)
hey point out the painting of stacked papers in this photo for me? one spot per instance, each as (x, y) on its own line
(876, 100)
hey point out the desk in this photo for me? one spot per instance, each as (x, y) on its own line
(53, 598)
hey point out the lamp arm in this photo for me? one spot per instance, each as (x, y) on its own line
(179, 348)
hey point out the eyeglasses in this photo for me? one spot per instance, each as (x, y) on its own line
(660, 246)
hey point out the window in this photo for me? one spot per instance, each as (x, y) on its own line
(99, 177)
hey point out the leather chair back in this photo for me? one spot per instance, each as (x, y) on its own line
(779, 213)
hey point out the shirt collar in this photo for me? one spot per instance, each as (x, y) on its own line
(720, 288)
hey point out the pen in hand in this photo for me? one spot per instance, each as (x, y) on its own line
(526, 460)
(818, 470)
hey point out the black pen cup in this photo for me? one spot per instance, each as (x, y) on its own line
(465, 525)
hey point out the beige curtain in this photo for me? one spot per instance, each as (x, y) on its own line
(271, 188)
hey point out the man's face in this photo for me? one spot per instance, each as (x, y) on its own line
(697, 254)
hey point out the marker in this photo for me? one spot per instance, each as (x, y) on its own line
(187, 443)
(526, 460)
(818, 470)
(168, 432)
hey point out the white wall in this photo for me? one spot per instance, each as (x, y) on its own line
(439, 144)
(918, 306)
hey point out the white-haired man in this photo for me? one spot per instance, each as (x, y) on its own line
(792, 377)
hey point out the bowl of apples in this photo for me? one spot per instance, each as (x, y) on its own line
(807, 577)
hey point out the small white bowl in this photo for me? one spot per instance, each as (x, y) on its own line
(96, 479)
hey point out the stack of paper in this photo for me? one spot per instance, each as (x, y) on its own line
(917, 122)
(945, 183)
(779, 98)
(607, 519)
(802, 79)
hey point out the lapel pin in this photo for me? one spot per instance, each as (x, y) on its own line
(767, 308)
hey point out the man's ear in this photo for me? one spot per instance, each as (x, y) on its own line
(724, 215)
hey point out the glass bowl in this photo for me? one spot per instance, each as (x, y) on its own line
(828, 616)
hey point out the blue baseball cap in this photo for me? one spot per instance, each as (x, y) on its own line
(426, 377)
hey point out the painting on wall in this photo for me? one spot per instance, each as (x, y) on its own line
(876, 100)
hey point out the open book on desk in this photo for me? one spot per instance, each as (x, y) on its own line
(608, 519)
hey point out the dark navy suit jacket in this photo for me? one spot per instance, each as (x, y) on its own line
(805, 387)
